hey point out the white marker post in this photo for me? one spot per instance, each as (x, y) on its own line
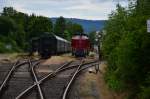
(148, 25)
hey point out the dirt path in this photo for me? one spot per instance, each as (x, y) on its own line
(92, 85)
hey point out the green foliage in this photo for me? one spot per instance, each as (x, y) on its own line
(76, 28)
(39, 25)
(8, 45)
(128, 52)
(67, 34)
(73, 28)
(113, 82)
(145, 88)
(18, 29)
(126, 46)
(92, 37)
(66, 29)
(145, 93)
(7, 25)
(60, 26)
(9, 11)
(21, 28)
(10, 40)
(115, 28)
(143, 7)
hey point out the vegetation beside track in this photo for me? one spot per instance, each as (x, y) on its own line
(17, 29)
(126, 47)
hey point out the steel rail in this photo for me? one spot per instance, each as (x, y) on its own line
(43, 79)
(60, 69)
(35, 78)
(71, 80)
(5, 81)
(74, 66)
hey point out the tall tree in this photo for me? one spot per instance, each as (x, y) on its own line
(7, 26)
(8, 11)
(115, 27)
(126, 47)
(77, 28)
(38, 25)
(73, 28)
(60, 27)
(143, 7)
(92, 37)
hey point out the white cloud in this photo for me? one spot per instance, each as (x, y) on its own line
(86, 9)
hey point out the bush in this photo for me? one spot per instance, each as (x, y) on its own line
(127, 59)
(113, 82)
(126, 47)
(145, 93)
(145, 88)
(8, 45)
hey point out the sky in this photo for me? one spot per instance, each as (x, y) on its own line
(83, 9)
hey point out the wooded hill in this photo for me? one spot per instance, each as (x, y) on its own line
(88, 25)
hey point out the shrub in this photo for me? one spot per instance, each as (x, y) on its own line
(145, 93)
(113, 82)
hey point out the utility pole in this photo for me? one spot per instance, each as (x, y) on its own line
(99, 52)
(98, 39)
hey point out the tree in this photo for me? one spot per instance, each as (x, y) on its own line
(8, 11)
(116, 26)
(77, 28)
(73, 28)
(20, 20)
(92, 37)
(60, 27)
(126, 47)
(7, 26)
(20, 27)
(143, 7)
(38, 25)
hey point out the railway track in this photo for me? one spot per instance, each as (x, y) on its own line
(55, 85)
(44, 79)
(82, 66)
(17, 78)
(35, 77)
(71, 80)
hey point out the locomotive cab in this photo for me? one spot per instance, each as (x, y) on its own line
(80, 45)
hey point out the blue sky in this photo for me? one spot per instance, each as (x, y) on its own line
(83, 9)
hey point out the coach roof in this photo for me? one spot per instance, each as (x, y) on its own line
(61, 39)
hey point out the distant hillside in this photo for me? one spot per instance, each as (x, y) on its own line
(88, 25)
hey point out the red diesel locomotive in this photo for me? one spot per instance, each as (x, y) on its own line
(80, 45)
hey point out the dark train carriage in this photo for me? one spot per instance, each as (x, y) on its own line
(50, 44)
(46, 45)
(61, 44)
(34, 45)
(80, 45)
